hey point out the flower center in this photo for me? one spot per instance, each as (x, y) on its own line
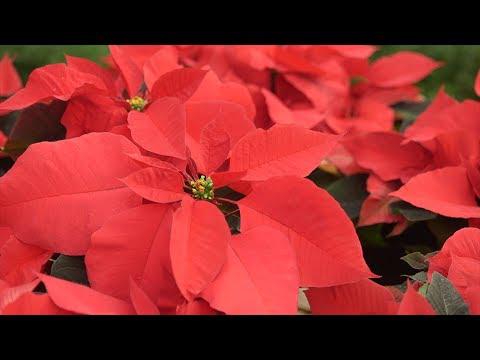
(202, 188)
(137, 103)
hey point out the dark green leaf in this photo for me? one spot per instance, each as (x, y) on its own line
(444, 298)
(233, 222)
(322, 178)
(371, 236)
(443, 227)
(416, 260)
(350, 192)
(410, 212)
(71, 268)
(39, 122)
(407, 113)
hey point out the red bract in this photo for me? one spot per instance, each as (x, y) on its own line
(72, 184)
(459, 260)
(10, 81)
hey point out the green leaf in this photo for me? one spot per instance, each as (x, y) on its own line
(420, 277)
(71, 268)
(416, 260)
(410, 212)
(444, 298)
(39, 122)
(424, 289)
(350, 192)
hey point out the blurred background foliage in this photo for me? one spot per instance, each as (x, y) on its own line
(458, 73)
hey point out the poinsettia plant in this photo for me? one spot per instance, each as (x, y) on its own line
(235, 180)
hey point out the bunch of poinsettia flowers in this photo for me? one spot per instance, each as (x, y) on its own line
(177, 180)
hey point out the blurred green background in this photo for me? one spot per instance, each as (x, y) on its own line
(458, 73)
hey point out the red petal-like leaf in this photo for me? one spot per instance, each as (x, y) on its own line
(10, 81)
(198, 245)
(160, 129)
(19, 260)
(444, 191)
(212, 89)
(160, 63)
(384, 154)
(81, 299)
(414, 304)
(180, 83)
(362, 298)
(327, 247)
(134, 243)
(155, 184)
(131, 73)
(259, 277)
(51, 81)
(402, 68)
(72, 184)
(281, 150)
(141, 302)
(34, 304)
(85, 114)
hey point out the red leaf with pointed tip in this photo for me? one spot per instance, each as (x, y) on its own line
(212, 89)
(72, 184)
(384, 154)
(214, 148)
(141, 302)
(279, 113)
(463, 243)
(377, 211)
(445, 191)
(9, 295)
(198, 245)
(19, 260)
(85, 114)
(327, 247)
(354, 51)
(414, 304)
(134, 243)
(161, 128)
(162, 62)
(51, 81)
(90, 67)
(229, 116)
(131, 73)
(402, 68)
(180, 83)
(281, 150)
(34, 304)
(362, 298)
(10, 81)
(260, 275)
(448, 118)
(81, 299)
(155, 184)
